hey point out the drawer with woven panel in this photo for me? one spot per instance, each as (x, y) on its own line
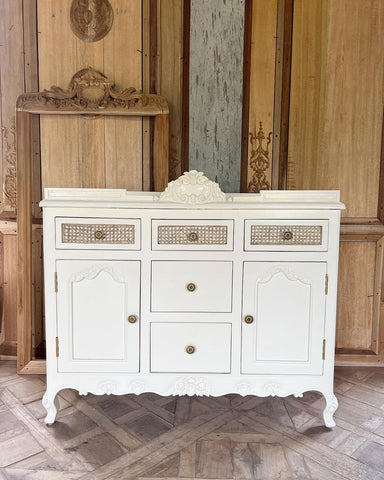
(98, 233)
(192, 234)
(283, 235)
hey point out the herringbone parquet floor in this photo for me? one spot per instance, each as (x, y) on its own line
(151, 437)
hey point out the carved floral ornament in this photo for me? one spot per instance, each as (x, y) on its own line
(193, 188)
(259, 161)
(91, 90)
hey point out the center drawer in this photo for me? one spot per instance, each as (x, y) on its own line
(191, 286)
(191, 347)
(192, 234)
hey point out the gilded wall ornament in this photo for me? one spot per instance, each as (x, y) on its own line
(91, 20)
(259, 161)
(10, 158)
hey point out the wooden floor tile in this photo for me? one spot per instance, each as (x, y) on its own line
(151, 437)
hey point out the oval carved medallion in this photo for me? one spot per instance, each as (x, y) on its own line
(91, 20)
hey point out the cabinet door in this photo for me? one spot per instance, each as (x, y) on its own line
(94, 301)
(287, 303)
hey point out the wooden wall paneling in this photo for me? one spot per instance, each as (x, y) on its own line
(31, 76)
(38, 348)
(60, 164)
(335, 142)
(170, 73)
(11, 85)
(8, 271)
(185, 86)
(360, 332)
(262, 94)
(24, 251)
(148, 38)
(123, 63)
(336, 100)
(282, 94)
(356, 280)
(102, 152)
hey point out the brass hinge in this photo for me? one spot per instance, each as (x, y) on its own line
(324, 345)
(57, 346)
(56, 284)
(326, 284)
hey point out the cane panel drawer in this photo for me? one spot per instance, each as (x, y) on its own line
(98, 233)
(281, 235)
(192, 234)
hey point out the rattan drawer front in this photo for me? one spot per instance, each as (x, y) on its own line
(192, 235)
(286, 234)
(97, 233)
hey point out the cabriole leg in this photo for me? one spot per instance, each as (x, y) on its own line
(331, 405)
(51, 404)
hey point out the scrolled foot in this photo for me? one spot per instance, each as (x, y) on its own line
(331, 405)
(51, 404)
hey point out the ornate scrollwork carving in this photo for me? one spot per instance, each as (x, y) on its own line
(137, 387)
(9, 135)
(94, 271)
(259, 161)
(90, 90)
(273, 389)
(91, 20)
(192, 188)
(106, 387)
(190, 385)
(243, 388)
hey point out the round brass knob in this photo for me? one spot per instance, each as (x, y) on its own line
(132, 319)
(288, 235)
(248, 319)
(191, 287)
(99, 235)
(190, 349)
(192, 236)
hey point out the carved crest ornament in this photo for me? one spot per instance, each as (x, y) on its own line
(91, 90)
(193, 188)
(91, 20)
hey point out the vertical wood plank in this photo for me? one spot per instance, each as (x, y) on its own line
(123, 64)
(11, 85)
(161, 152)
(355, 320)
(32, 85)
(262, 86)
(24, 244)
(10, 287)
(336, 100)
(169, 74)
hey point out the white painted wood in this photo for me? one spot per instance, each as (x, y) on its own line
(279, 354)
(287, 301)
(212, 282)
(94, 300)
(212, 344)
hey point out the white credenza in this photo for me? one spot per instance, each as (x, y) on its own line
(190, 291)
